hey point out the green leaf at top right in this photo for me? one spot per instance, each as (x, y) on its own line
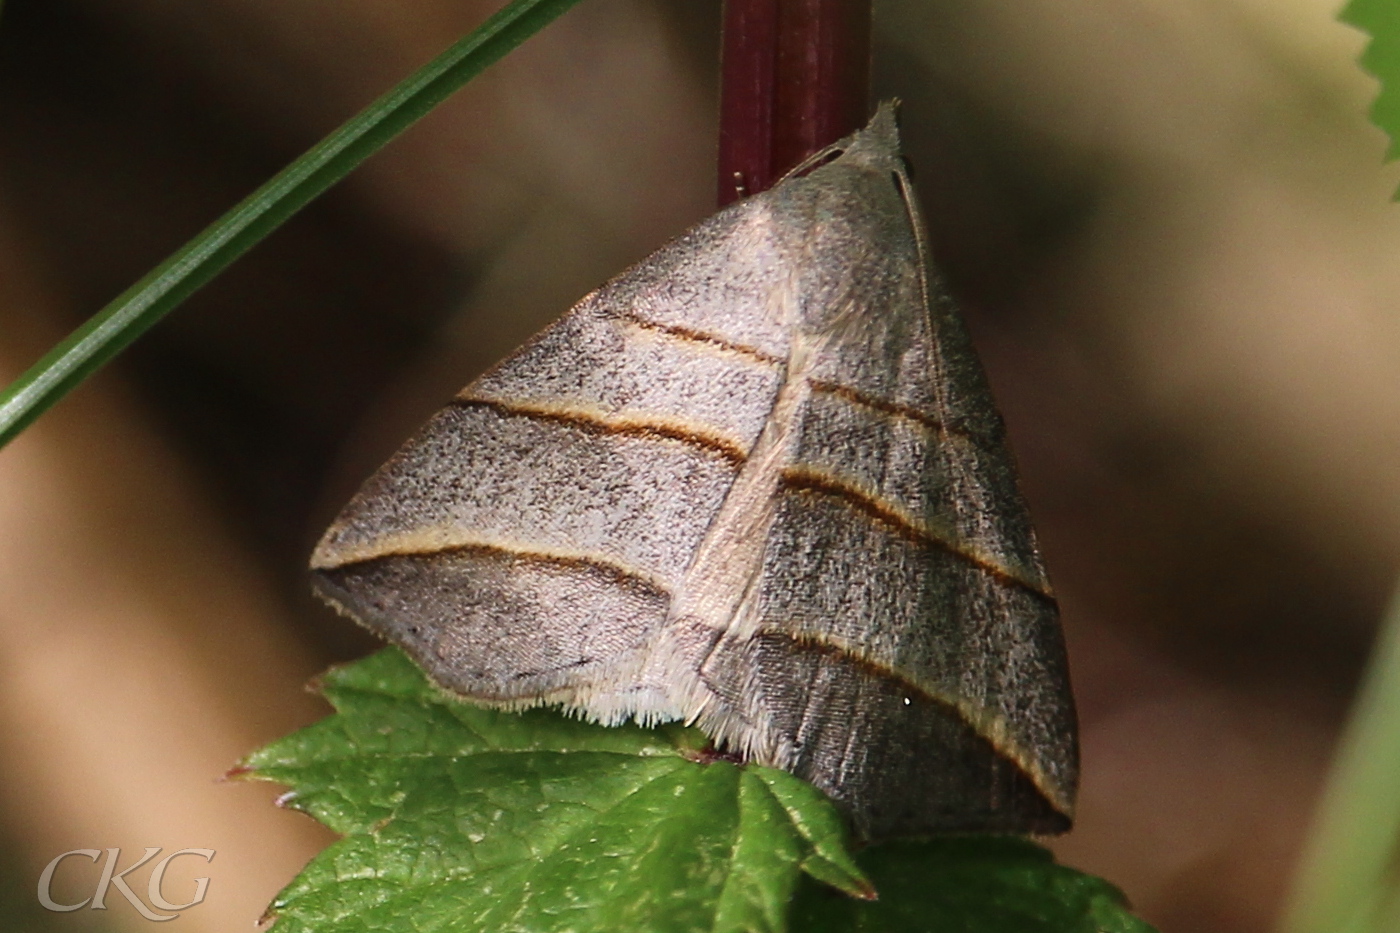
(1381, 20)
(968, 884)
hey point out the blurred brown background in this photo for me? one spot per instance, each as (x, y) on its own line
(1167, 219)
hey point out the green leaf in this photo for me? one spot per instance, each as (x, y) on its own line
(1381, 18)
(465, 819)
(462, 819)
(1348, 878)
(969, 884)
(109, 331)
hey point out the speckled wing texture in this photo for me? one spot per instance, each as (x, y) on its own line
(757, 483)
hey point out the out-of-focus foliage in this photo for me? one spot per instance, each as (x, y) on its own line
(1348, 881)
(166, 286)
(1381, 19)
(20, 909)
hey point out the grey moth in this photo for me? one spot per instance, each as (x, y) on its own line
(756, 483)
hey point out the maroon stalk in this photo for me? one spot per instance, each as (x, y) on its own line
(795, 76)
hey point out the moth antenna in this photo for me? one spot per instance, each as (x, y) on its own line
(817, 160)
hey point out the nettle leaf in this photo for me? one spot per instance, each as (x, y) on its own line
(969, 884)
(458, 818)
(468, 820)
(1381, 19)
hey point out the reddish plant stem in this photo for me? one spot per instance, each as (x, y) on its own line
(795, 76)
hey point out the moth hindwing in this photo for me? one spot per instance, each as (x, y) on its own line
(756, 482)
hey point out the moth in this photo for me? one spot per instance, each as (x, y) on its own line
(756, 483)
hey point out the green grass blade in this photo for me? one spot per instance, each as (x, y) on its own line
(1350, 871)
(109, 331)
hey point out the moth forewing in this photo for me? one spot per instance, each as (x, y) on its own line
(757, 482)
